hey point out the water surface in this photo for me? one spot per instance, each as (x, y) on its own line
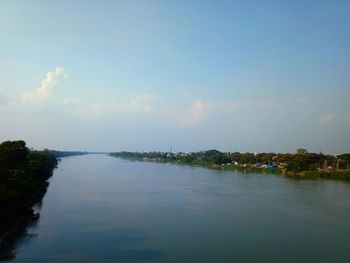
(103, 209)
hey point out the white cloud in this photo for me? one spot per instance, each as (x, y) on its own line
(327, 118)
(140, 102)
(96, 110)
(197, 112)
(47, 85)
(72, 101)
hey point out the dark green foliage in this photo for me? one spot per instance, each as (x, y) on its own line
(247, 158)
(23, 180)
(13, 154)
(344, 157)
(282, 162)
(297, 165)
(215, 157)
(302, 151)
(344, 161)
(205, 157)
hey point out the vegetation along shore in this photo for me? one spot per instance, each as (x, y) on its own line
(300, 164)
(24, 175)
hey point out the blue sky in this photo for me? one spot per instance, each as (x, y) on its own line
(191, 75)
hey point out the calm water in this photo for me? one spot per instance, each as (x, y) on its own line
(103, 209)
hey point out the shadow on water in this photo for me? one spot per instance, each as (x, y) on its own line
(14, 229)
(114, 244)
(103, 246)
(16, 237)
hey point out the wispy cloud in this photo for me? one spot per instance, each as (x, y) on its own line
(140, 104)
(258, 104)
(47, 85)
(96, 110)
(327, 118)
(72, 101)
(346, 118)
(2, 97)
(198, 110)
(196, 113)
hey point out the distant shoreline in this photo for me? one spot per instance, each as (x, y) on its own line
(298, 166)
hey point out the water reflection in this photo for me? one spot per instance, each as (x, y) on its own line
(20, 233)
(102, 209)
(123, 244)
(15, 238)
(105, 244)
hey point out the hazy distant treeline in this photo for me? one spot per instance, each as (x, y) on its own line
(59, 154)
(300, 161)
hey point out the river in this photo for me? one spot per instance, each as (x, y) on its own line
(103, 209)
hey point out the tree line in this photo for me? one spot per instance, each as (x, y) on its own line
(297, 162)
(24, 175)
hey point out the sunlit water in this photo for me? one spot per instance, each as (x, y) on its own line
(103, 209)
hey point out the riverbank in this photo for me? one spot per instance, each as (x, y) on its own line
(315, 174)
(154, 211)
(23, 183)
(331, 175)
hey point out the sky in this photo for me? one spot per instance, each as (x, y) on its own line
(148, 75)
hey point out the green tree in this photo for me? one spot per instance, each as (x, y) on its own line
(13, 154)
(297, 165)
(302, 151)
